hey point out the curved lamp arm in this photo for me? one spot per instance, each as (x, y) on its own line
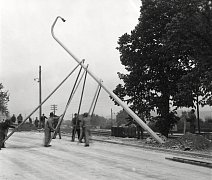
(52, 28)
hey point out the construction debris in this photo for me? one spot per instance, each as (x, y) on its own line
(188, 142)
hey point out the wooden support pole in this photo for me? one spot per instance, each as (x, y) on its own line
(40, 95)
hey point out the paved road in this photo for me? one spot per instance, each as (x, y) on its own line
(26, 158)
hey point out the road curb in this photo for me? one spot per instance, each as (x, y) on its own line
(191, 161)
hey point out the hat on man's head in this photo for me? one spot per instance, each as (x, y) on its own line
(85, 115)
(75, 114)
(193, 110)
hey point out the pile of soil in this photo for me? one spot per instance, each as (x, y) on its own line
(188, 142)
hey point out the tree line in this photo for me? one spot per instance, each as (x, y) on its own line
(4, 99)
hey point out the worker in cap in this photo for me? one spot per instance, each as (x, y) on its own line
(85, 126)
(4, 126)
(48, 130)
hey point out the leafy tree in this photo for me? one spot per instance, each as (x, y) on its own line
(4, 99)
(168, 59)
(122, 118)
(189, 35)
(153, 71)
(98, 121)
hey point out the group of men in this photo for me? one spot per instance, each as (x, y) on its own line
(5, 125)
(81, 126)
(42, 121)
(19, 119)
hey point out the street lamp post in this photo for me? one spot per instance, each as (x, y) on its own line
(198, 120)
(40, 99)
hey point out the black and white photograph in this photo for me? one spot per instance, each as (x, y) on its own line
(105, 89)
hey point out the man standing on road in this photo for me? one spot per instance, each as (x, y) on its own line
(30, 120)
(42, 121)
(20, 119)
(4, 126)
(13, 118)
(36, 122)
(48, 130)
(75, 127)
(85, 125)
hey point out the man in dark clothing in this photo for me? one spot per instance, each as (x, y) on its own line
(48, 130)
(192, 119)
(140, 131)
(20, 119)
(30, 120)
(85, 125)
(55, 122)
(76, 127)
(13, 118)
(4, 126)
(36, 122)
(42, 121)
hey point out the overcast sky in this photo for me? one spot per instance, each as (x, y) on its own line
(91, 32)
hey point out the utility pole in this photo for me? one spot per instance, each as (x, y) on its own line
(54, 108)
(40, 99)
(198, 120)
(111, 114)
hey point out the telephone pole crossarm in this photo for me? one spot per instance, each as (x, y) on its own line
(54, 108)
